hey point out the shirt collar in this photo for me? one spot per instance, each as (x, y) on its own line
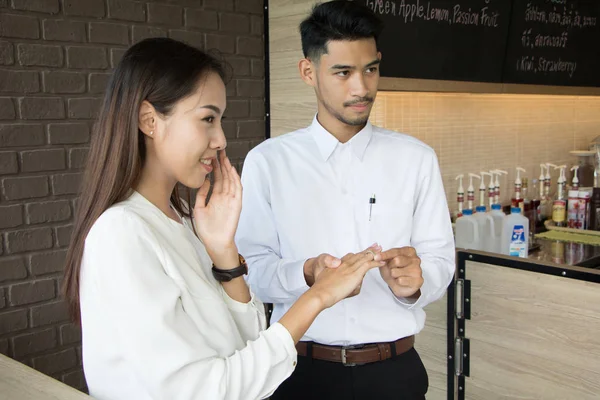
(327, 143)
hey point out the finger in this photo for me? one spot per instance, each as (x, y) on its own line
(413, 271)
(227, 163)
(347, 256)
(375, 246)
(237, 182)
(330, 261)
(218, 185)
(225, 172)
(368, 265)
(201, 194)
(402, 262)
(376, 249)
(355, 260)
(404, 251)
(411, 282)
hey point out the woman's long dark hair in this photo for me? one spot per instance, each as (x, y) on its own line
(161, 71)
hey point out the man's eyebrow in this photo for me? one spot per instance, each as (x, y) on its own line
(341, 66)
(351, 67)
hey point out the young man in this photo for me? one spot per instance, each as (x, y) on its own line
(336, 187)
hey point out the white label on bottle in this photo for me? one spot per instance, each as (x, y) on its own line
(518, 244)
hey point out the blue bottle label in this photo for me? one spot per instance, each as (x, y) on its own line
(518, 245)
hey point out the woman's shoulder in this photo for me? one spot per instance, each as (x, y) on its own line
(122, 221)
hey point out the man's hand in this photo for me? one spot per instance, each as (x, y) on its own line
(402, 272)
(314, 266)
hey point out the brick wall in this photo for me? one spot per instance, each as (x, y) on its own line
(55, 59)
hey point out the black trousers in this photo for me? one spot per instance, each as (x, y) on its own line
(401, 378)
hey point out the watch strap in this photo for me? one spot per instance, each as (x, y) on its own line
(226, 275)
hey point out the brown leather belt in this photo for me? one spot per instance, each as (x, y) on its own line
(358, 354)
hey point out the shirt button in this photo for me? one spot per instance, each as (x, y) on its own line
(294, 364)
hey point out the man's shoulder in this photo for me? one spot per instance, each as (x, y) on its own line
(401, 141)
(276, 145)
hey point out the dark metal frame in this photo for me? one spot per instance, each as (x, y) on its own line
(456, 326)
(450, 335)
(267, 70)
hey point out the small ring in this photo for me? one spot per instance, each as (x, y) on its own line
(371, 252)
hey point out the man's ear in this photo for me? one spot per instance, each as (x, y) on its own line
(308, 71)
(147, 118)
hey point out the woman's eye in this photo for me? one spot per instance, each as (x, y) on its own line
(210, 120)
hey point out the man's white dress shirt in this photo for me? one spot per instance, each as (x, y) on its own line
(305, 193)
(157, 325)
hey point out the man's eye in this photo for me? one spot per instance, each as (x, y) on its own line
(342, 73)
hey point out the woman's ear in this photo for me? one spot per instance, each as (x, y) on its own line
(147, 119)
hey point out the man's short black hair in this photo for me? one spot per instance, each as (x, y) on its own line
(337, 20)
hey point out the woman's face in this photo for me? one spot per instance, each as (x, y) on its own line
(186, 142)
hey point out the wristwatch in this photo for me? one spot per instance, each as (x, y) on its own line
(226, 275)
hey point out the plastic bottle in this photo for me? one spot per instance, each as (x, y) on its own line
(485, 224)
(543, 209)
(535, 208)
(460, 195)
(526, 202)
(548, 186)
(467, 231)
(498, 217)
(559, 204)
(573, 209)
(515, 234)
(517, 200)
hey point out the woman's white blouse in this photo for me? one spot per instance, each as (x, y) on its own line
(155, 323)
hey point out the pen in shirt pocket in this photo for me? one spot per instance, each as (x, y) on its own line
(371, 202)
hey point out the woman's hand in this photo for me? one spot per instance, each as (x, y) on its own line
(217, 220)
(335, 284)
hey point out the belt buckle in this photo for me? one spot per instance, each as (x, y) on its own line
(345, 362)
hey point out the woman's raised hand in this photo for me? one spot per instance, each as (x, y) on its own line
(217, 219)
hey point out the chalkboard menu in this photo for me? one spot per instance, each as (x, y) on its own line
(554, 42)
(543, 42)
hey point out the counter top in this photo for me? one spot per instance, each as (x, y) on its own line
(19, 382)
(566, 253)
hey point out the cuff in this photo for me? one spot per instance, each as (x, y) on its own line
(293, 276)
(286, 339)
(421, 301)
(405, 301)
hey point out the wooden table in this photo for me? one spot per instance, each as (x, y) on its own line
(19, 382)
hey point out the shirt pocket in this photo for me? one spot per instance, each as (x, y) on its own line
(390, 225)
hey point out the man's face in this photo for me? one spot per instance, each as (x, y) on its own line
(346, 80)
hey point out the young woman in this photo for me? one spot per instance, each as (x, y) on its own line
(159, 289)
